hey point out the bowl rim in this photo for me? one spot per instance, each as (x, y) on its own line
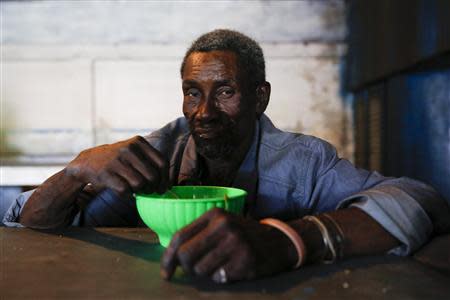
(143, 196)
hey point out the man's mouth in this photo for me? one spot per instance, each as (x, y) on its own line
(207, 133)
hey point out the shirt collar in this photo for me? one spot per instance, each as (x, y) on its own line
(190, 171)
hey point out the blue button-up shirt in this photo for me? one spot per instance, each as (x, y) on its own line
(287, 176)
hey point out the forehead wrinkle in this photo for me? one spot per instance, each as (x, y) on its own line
(211, 66)
(209, 69)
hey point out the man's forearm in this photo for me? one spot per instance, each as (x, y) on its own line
(362, 234)
(53, 203)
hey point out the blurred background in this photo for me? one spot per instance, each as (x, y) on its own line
(75, 74)
(81, 73)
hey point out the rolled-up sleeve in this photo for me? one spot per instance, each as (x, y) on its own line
(398, 212)
(11, 217)
(408, 209)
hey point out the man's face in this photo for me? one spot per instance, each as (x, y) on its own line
(220, 113)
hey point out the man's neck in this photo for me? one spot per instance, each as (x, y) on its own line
(219, 173)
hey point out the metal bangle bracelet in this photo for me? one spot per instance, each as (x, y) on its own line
(325, 236)
(340, 237)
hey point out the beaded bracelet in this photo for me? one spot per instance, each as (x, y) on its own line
(292, 235)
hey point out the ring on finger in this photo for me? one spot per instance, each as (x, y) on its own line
(222, 275)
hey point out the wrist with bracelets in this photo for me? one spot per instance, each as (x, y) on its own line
(333, 239)
(332, 236)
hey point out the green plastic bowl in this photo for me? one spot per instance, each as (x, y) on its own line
(165, 214)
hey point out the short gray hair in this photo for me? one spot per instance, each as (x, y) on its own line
(249, 54)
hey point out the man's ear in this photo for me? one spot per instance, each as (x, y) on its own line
(262, 98)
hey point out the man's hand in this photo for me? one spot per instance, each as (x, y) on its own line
(244, 248)
(128, 166)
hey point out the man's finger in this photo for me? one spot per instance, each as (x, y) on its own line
(213, 259)
(233, 270)
(205, 241)
(169, 260)
(146, 169)
(114, 182)
(133, 178)
(158, 160)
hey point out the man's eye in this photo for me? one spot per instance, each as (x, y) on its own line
(226, 93)
(192, 93)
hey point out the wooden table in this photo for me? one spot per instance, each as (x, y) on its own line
(124, 263)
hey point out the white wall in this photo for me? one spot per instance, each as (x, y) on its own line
(75, 74)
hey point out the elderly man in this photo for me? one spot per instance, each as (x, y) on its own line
(321, 207)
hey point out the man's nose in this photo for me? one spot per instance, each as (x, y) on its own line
(207, 110)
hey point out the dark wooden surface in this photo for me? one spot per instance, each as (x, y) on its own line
(124, 263)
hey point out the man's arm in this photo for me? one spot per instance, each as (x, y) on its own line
(246, 249)
(408, 209)
(376, 214)
(129, 166)
(362, 235)
(52, 204)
